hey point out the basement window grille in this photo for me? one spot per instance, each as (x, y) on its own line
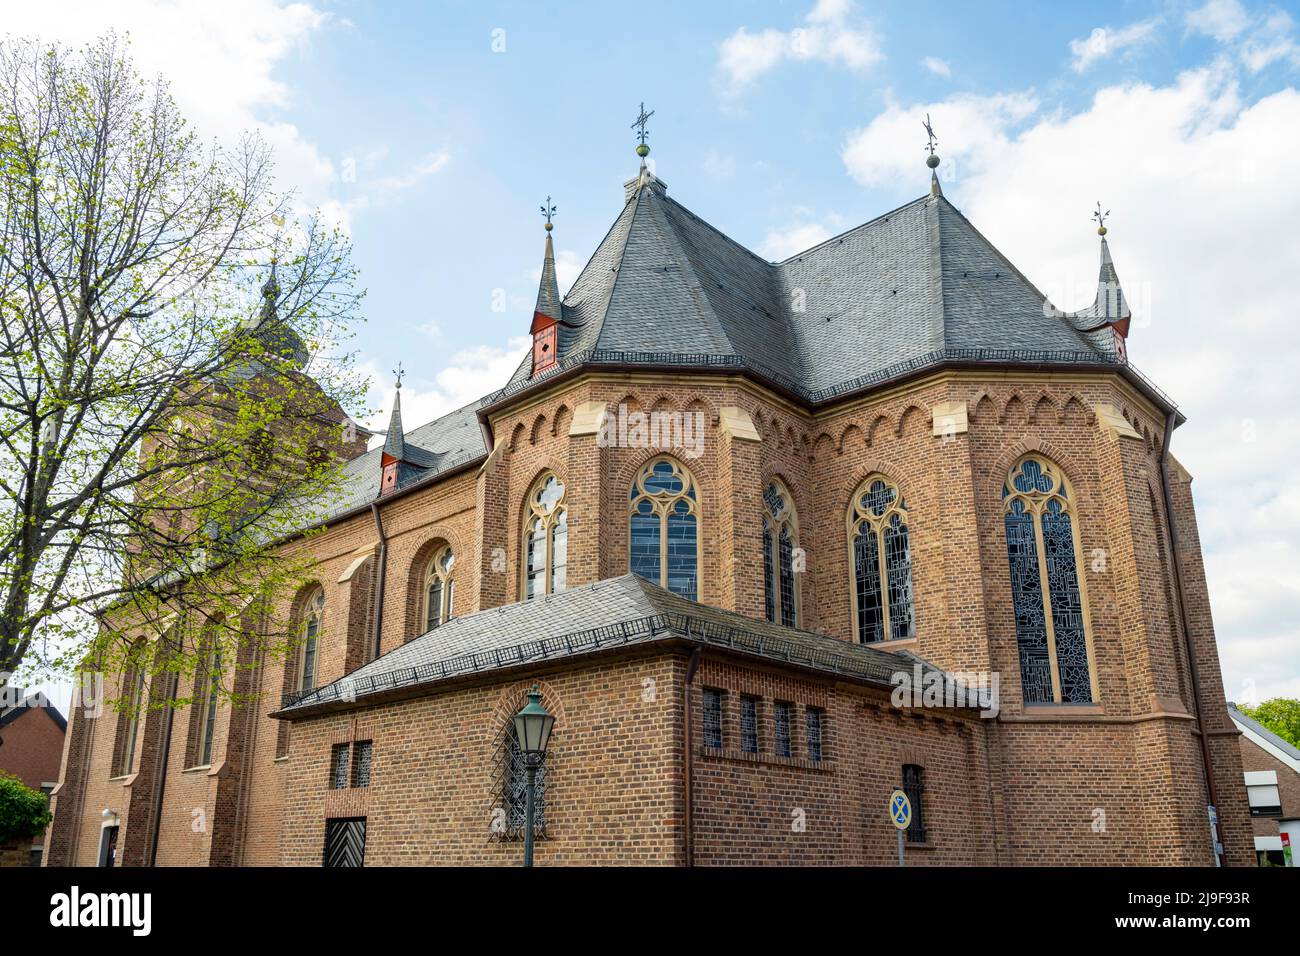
(782, 728)
(749, 724)
(713, 718)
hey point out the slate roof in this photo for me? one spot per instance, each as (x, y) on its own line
(916, 286)
(597, 618)
(1256, 729)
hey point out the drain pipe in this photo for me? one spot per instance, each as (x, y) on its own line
(1176, 558)
(161, 790)
(688, 795)
(381, 570)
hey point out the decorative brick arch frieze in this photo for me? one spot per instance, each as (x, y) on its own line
(917, 413)
(435, 537)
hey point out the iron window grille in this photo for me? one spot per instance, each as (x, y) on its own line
(713, 718)
(361, 753)
(782, 727)
(813, 719)
(339, 767)
(749, 724)
(914, 787)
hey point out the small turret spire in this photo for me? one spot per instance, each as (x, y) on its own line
(548, 291)
(394, 441)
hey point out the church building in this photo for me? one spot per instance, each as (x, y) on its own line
(771, 541)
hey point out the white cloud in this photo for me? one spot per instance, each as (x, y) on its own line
(1200, 239)
(1220, 19)
(469, 375)
(1105, 42)
(828, 36)
(782, 243)
(936, 66)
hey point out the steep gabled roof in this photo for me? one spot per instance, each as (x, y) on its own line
(917, 284)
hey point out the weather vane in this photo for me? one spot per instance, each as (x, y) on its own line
(1100, 218)
(548, 210)
(398, 372)
(642, 150)
(932, 161)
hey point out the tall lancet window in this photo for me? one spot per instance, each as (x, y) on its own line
(1050, 604)
(780, 542)
(546, 537)
(440, 588)
(313, 625)
(664, 527)
(880, 552)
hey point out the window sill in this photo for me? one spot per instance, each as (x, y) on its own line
(1064, 710)
(197, 767)
(744, 756)
(281, 759)
(898, 644)
(125, 779)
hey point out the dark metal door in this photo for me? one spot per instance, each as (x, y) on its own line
(345, 842)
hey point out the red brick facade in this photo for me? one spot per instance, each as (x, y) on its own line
(1118, 781)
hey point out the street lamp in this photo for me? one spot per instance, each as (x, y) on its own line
(533, 731)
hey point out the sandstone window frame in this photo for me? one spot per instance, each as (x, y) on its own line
(546, 521)
(881, 519)
(439, 587)
(655, 505)
(313, 629)
(781, 591)
(128, 727)
(1035, 496)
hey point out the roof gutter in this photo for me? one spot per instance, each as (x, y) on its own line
(1171, 421)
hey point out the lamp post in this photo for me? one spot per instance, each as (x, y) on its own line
(533, 731)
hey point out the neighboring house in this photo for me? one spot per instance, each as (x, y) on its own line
(1272, 767)
(715, 513)
(31, 747)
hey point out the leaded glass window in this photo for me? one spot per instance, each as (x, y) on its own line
(313, 625)
(781, 715)
(664, 527)
(749, 724)
(813, 720)
(546, 538)
(208, 719)
(339, 766)
(880, 550)
(1047, 595)
(439, 590)
(780, 542)
(914, 787)
(361, 752)
(712, 723)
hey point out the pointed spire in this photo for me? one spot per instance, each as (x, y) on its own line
(548, 308)
(394, 441)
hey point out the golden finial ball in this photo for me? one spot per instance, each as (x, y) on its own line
(1101, 230)
(550, 226)
(932, 161)
(643, 150)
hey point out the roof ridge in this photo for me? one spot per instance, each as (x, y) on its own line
(847, 232)
(592, 258)
(618, 272)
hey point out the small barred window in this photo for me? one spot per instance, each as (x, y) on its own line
(361, 752)
(814, 721)
(914, 787)
(713, 718)
(749, 724)
(782, 715)
(339, 766)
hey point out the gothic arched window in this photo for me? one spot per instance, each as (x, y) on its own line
(546, 537)
(439, 588)
(780, 542)
(313, 626)
(664, 527)
(512, 785)
(1052, 629)
(880, 553)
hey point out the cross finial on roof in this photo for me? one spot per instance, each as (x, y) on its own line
(548, 210)
(399, 372)
(643, 149)
(1100, 218)
(932, 160)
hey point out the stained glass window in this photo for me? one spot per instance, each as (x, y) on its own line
(712, 723)
(813, 720)
(664, 527)
(749, 724)
(1046, 593)
(546, 538)
(780, 541)
(439, 588)
(209, 718)
(781, 716)
(881, 551)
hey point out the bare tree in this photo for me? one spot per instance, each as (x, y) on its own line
(161, 309)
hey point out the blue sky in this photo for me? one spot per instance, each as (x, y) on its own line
(434, 131)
